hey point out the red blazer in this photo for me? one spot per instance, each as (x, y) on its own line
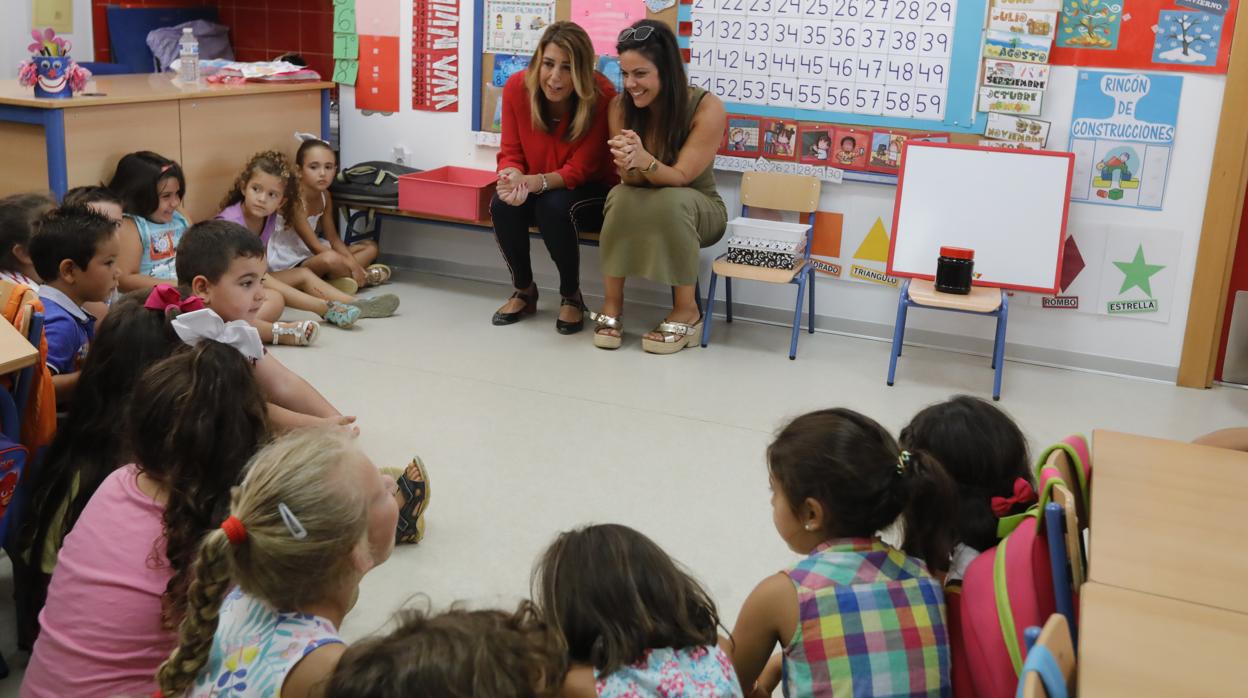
(531, 151)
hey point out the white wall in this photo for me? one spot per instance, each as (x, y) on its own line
(15, 21)
(1064, 337)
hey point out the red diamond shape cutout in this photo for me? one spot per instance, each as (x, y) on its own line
(1072, 263)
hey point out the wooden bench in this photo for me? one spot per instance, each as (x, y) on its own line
(375, 215)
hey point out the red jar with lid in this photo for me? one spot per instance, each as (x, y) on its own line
(954, 270)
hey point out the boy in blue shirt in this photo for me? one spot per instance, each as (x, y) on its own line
(75, 253)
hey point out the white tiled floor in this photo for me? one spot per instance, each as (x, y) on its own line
(527, 432)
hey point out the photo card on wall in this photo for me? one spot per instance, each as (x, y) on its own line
(743, 137)
(816, 143)
(850, 147)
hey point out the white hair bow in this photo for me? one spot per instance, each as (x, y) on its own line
(198, 325)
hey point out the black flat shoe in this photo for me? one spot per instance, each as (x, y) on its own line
(530, 307)
(563, 327)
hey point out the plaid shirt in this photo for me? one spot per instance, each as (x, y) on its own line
(871, 623)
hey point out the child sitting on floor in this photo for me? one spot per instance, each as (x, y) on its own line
(129, 558)
(75, 253)
(456, 653)
(856, 616)
(274, 582)
(98, 198)
(631, 618)
(985, 453)
(19, 216)
(87, 448)
(151, 189)
(223, 263)
(266, 186)
(295, 244)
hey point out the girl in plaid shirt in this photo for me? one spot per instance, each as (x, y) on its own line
(855, 617)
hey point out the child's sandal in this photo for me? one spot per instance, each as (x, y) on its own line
(341, 314)
(345, 284)
(377, 306)
(301, 334)
(413, 485)
(376, 274)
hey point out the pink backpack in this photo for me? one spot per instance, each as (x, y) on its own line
(1075, 468)
(1006, 590)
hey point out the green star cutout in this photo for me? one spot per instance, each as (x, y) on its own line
(1137, 273)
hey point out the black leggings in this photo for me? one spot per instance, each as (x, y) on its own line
(559, 214)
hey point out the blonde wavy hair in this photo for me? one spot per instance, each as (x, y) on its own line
(570, 37)
(304, 470)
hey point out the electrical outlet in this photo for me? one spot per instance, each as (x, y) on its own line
(399, 155)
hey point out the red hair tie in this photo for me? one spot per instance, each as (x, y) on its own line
(234, 530)
(165, 298)
(1024, 493)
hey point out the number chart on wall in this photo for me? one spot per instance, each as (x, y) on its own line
(892, 63)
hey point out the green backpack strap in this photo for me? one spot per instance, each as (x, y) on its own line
(1077, 464)
(1001, 592)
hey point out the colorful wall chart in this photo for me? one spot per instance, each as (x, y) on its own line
(1122, 134)
(1190, 36)
(377, 84)
(346, 43)
(435, 55)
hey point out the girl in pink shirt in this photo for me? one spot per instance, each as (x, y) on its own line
(120, 584)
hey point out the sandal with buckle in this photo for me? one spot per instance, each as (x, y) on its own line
(530, 307)
(377, 306)
(564, 327)
(676, 336)
(301, 333)
(341, 314)
(607, 322)
(413, 487)
(376, 274)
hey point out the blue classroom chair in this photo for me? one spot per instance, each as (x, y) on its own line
(1049, 670)
(128, 28)
(782, 192)
(981, 300)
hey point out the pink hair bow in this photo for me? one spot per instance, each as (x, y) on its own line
(1024, 493)
(165, 297)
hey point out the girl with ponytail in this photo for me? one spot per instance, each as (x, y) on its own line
(855, 616)
(274, 582)
(120, 585)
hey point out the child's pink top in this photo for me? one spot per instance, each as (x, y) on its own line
(101, 628)
(234, 214)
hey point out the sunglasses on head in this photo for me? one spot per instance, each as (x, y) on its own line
(636, 33)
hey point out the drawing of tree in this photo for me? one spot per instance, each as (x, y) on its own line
(1089, 24)
(1187, 37)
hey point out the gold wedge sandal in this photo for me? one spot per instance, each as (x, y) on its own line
(676, 336)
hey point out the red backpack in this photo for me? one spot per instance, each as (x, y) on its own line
(1005, 590)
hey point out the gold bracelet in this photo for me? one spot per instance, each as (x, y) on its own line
(653, 166)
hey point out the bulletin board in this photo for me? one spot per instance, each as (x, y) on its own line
(907, 64)
(1013, 216)
(501, 49)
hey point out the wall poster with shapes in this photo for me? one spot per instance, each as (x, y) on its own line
(891, 63)
(780, 139)
(1122, 134)
(515, 26)
(885, 153)
(603, 20)
(816, 143)
(850, 149)
(869, 262)
(1079, 285)
(1138, 272)
(825, 244)
(743, 137)
(1190, 36)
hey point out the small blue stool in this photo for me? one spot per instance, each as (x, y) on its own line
(982, 300)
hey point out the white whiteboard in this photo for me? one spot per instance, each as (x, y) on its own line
(1008, 205)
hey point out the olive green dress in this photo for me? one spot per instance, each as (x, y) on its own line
(656, 232)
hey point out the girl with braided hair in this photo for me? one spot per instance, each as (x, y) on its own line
(121, 578)
(273, 583)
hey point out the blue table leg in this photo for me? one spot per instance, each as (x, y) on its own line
(899, 331)
(810, 273)
(54, 142)
(797, 316)
(998, 358)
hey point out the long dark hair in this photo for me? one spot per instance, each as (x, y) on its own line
(982, 449)
(137, 181)
(664, 125)
(89, 444)
(853, 467)
(195, 419)
(613, 593)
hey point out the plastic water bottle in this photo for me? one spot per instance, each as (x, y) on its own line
(188, 56)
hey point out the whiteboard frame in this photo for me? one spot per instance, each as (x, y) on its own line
(964, 77)
(1002, 152)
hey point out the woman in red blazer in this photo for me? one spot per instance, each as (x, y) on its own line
(554, 168)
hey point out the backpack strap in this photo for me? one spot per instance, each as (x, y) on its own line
(1041, 661)
(1077, 464)
(1005, 615)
